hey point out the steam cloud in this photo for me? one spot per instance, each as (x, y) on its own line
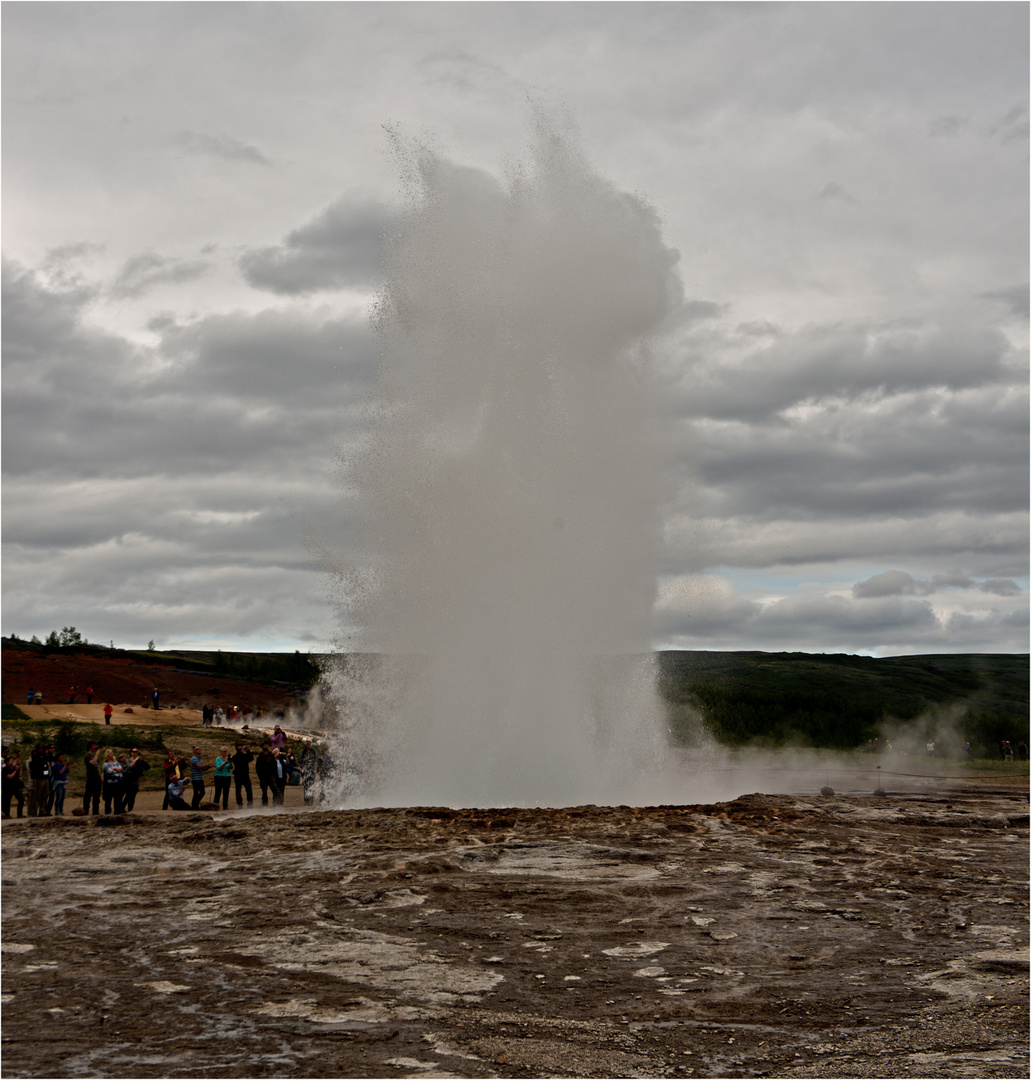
(510, 491)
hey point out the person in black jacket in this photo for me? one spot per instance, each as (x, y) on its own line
(265, 770)
(51, 756)
(242, 773)
(39, 782)
(280, 775)
(93, 782)
(134, 769)
(13, 784)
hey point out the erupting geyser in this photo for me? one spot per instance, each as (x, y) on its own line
(511, 492)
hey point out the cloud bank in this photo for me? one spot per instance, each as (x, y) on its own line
(196, 203)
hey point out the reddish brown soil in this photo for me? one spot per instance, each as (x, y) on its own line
(786, 936)
(124, 679)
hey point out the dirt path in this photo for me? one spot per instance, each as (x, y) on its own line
(130, 716)
(770, 936)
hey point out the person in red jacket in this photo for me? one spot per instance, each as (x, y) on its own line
(108, 710)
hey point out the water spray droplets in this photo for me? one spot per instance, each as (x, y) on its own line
(511, 489)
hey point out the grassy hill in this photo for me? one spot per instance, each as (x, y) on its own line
(843, 701)
(774, 699)
(294, 669)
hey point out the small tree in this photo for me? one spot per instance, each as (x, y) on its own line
(150, 645)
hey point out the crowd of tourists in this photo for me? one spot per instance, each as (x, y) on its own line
(275, 768)
(229, 714)
(114, 779)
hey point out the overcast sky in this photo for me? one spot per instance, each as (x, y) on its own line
(194, 196)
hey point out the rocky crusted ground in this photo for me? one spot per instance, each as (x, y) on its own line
(769, 936)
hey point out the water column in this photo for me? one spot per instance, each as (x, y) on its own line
(510, 489)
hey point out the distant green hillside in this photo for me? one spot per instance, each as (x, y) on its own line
(838, 701)
(843, 701)
(294, 669)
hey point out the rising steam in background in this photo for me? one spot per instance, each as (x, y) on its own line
(511, 492)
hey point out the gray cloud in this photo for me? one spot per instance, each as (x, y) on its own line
(1014, 125)
(835, 360)
(147, 269)
(341, 247)
(696, 310)
(221, 146)
(1014, 297)
(217, 394)
(898, 583)
(835, 191)
(158, 492)
(844, 395)
(706, 612)
(947, 126)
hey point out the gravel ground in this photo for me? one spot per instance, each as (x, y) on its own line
(769, 936)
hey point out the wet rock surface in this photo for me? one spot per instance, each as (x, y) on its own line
(768, 936)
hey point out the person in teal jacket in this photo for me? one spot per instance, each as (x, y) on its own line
(223, 775)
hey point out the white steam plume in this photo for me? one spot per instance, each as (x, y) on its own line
(511, 493)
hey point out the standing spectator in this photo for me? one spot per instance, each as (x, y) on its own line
(112, 783)
(242, 773)
(155, 700)
(280, 777)
(39, 697)
(265, 768)
(309, 771)
(197, 770)
(219, 716)
(1007, 750)
(171, 768)
(39, 782)
(94, 784)
(277, 740)
(13, 784)
(51, 757)
(89, 695)
(223, 775)
(291, 769)
(967, 750)
(108, 710)
(59, 783)
(131, 775)
(30, 697)
(71, 695)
